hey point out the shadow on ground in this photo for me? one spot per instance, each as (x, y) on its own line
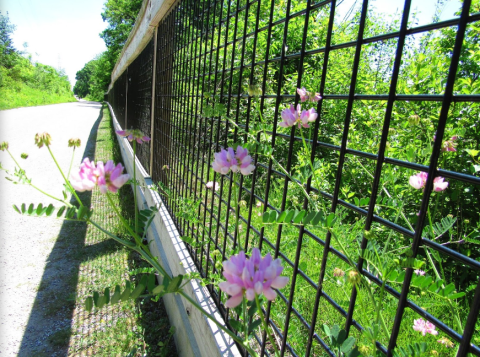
(49, 326)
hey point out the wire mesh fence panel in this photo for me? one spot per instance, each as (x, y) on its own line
(363, 127)
(140, 76)
(118, 98)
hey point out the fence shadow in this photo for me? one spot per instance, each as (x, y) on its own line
(48, 329)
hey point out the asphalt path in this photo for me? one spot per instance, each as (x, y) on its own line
(26, 242)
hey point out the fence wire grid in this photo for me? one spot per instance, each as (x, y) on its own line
(399, 98)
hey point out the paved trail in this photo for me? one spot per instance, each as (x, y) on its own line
(26, 242)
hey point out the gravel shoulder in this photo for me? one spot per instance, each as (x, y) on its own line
(26, 243)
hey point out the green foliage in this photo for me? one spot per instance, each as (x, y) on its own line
(24, 83)
(412, 350)
(343, 345)
(145, 288)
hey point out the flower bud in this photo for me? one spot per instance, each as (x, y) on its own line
(338, 273)
(74, 142)
(242, 203)
(24, 155)
(4, 146)
(43, 139)
(353, 277)
(364, 350)
(414, 119)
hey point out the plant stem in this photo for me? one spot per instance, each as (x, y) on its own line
(235, 198)
(65, 179)
(135, 183)
(71, 162)
(125, 223)
(265, 325)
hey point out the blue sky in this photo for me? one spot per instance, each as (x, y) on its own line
(61, 34)
(65, 33)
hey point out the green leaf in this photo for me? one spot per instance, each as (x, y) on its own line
(341, 337)
(17, 209)
(273, 217)
(335, 330)
(126, 293)
(158, 289)
(448, 289)
(95, 297)
(252, 311)
(319, 217)
(151, 282)
(299, 216)
(107, 295)
(39, 210)
(309, 217)
(116, 295)
(330, 220)
(266, 217)
(89, 303)
(236, 325)
(254, 325)
(24, 208)
(281, 217)
(327, 330)
(347, 345)
(30, 209)
(49, 210)
(81, 212)
(456, 296)
(70, 212)
(137, 291)
(60, 211)
(174, 284)
(289, 216)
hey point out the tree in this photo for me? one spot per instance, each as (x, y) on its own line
(7, 51)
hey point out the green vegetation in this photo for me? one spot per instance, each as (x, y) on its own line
(136, 327)
(442, 286)
(93, 79)
(23, 83)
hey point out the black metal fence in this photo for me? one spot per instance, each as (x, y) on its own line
(399, 97)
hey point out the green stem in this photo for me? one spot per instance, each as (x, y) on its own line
(307, 151)
(135, 183)
(265, 325)
(64, 178)
(71, 162)
(123, 220)
(235, 199)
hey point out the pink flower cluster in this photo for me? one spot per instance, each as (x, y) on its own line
(107, 177)
(292, 116)
(449, 145)
(424, 327)
(250, 276)
(418, 181)
(227, 160)
(134, 134)
(305, 95)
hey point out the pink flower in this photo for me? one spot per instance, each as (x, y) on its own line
(303, 94)
(445, 341)
(449, 145)
(424, 327)
(419, 272)
(134, 134)
(290, 117)
(85, 179)
(227, 160)
(306, 95)
(251, 276)
(439, 184)
(418, 181)
(108, 177)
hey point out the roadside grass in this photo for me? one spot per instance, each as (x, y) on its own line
(130, 328)
(25, 96)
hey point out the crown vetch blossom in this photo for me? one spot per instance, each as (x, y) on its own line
(85, 179)
(306, 95)
(250, 276)
(107, 177)
(212, 185)
(424, 327)
(292, 116)
(418, 181)
(43, 139)
(134, 134)
(227, 160)
(110, 177)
